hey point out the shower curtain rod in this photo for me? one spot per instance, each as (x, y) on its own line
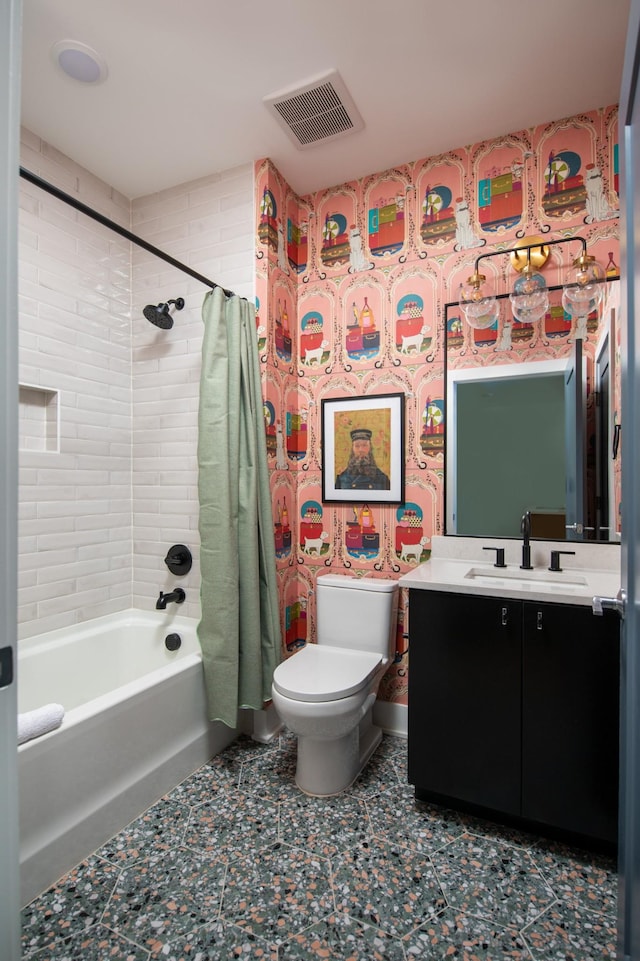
(112, 225)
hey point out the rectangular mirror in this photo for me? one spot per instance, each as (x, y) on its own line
(530, 419)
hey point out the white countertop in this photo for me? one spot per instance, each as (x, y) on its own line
(461, 566)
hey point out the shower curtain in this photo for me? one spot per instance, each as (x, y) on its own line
(240, 628)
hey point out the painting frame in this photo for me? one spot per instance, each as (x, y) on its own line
(345, 423)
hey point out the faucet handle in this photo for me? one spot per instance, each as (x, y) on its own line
(179, 559)
(499, 555)
(555, 560)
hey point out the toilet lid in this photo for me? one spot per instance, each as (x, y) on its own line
(324, 673)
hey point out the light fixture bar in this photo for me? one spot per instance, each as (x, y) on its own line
(529, 247)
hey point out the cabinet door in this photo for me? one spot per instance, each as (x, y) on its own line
(570, 698)
(464, 698)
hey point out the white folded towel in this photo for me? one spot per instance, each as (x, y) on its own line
(34, 723)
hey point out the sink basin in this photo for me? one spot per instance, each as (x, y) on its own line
(561, 581)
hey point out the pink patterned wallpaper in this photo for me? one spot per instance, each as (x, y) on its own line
(351, 287)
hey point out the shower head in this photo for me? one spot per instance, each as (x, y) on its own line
(160, 315)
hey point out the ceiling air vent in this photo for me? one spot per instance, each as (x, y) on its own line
(316, 112)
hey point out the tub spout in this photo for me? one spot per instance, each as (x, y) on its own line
(178, 596)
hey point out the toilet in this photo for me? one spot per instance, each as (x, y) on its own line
(325, 693)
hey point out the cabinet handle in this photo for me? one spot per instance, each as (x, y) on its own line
(504, 617)
(539, 621)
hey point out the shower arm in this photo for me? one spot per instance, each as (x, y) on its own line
(112, 225)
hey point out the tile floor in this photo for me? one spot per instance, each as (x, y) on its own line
(236, 863)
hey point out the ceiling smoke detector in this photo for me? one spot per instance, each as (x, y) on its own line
(315, 112)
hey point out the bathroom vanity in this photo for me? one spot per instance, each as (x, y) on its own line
(514, 686)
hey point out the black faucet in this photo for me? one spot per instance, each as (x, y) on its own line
(178, 596)
(499, 555)
(555, 559)
(525, 528)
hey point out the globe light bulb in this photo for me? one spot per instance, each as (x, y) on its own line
(482, 313)
(584, 294)
(478, 302)
(530, 297)
(580, 301)
(475, 289)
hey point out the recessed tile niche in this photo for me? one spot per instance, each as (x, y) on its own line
(39, 419)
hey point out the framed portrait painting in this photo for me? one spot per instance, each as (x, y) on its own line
(363, 449)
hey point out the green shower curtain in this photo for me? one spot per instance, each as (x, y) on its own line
(240, 628)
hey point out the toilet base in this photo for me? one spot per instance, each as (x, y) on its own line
(328, 767)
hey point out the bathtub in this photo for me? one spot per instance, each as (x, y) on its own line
(135, 725)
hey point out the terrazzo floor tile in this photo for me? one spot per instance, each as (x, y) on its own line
(400, 766)
(287, 741)
(277, 893)
(589, 879)
(244, 748)
(204, 784)
(70, 906)
(390, 746)
(97, 943)
(338, 938)
(567, 931)
(493, 830)
(371, 873)
(455, 935)
(216, 941)
(220, 773)
(377, 775)
(271, 775)
(158, 829)
(498, 882)
(324, 825)
(163, 897)
(387, 886)
(423, 828)
(232, 824)
(395, 749)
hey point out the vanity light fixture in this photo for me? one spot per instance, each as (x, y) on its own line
(530, 296)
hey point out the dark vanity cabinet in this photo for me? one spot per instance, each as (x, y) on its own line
(570, 718)
(464, 698)
(513, 710)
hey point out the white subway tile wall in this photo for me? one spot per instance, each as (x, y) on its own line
(97, 517)
(209, 226)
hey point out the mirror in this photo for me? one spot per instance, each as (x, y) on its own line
(531, 416)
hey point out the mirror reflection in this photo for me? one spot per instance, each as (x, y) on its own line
(532, 423)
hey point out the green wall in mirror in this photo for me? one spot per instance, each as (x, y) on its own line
(510, 435)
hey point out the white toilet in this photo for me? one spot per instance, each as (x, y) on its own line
(325, 693)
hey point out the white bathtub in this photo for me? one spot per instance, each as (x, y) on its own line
(135, 725)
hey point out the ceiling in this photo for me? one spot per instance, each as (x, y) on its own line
(186, 80)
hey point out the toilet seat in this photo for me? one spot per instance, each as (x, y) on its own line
(325, 673)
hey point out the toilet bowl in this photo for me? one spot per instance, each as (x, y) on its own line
(325, 693)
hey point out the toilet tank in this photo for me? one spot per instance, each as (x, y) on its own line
(357, 613)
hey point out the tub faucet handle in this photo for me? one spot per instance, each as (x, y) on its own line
(179, 559)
